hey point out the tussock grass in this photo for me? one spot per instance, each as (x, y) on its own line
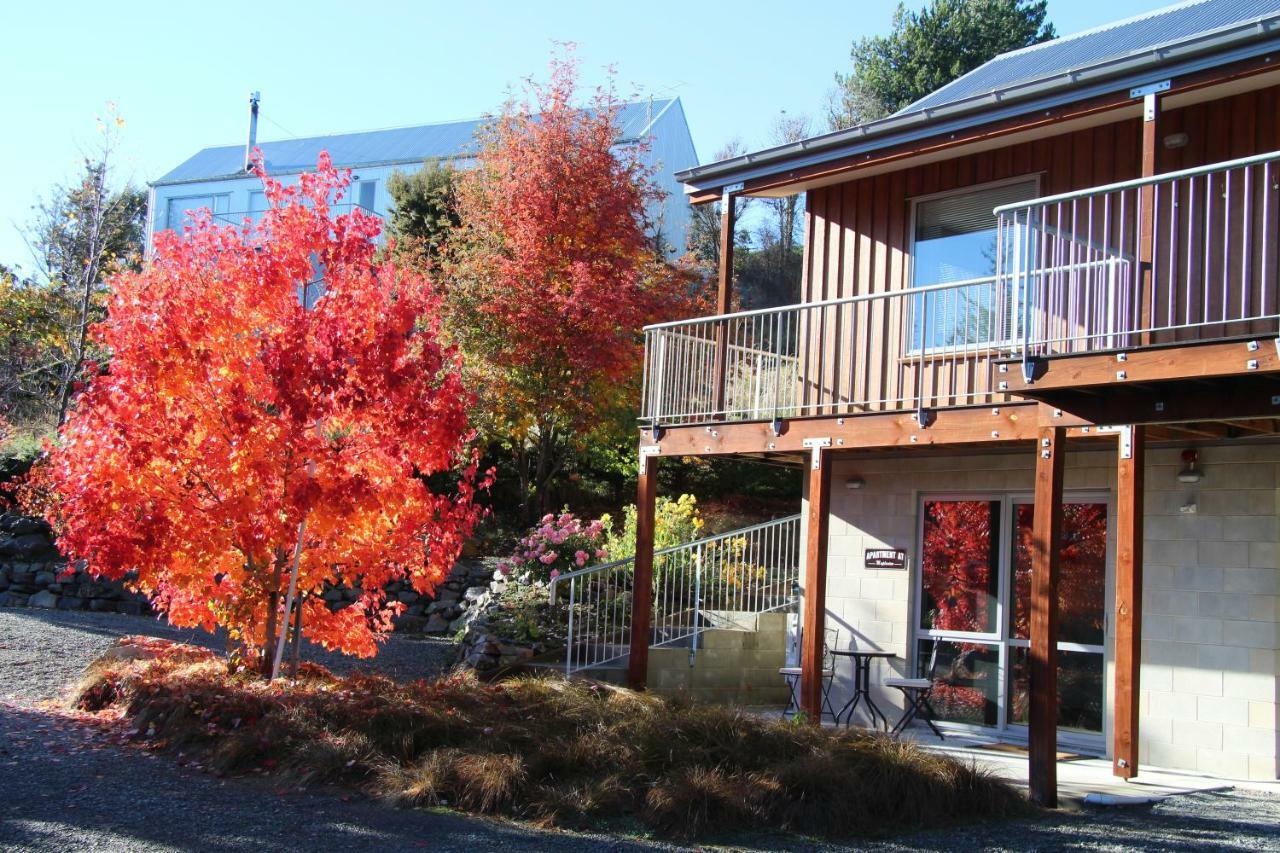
(548, 750)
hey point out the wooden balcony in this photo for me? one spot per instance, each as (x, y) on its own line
(1135, 285)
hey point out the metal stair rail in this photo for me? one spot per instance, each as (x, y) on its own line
(720, 581)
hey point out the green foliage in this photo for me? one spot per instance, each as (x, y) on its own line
(677, 522)
(523, 614)
(930, 48)
(424, 209)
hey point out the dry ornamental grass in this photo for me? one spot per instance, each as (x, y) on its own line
(545, 750)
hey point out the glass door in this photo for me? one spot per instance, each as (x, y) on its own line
(1082, 609)
(972, 631)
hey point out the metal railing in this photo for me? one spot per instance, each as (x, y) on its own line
(906, 349)
(1068, 279)
(718, 582)
(1210, 235)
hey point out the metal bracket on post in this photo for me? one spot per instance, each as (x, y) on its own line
(1147, 94)
(1126, 438)
(815, 446)
(648, 450)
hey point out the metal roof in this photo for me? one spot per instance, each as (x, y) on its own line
(1110, 41)
(376, 147)
(1179, 40)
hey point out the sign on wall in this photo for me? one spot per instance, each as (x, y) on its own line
(885, 558)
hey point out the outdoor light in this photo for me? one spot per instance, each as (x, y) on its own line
(854, 482)
(1176, 140)
(1190, 474)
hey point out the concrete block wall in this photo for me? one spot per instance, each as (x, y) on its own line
(730, 667)
(1211, 587)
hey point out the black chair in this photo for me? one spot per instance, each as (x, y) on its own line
(916, 691)
(792, 675)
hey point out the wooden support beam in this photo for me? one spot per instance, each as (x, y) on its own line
(724, 295)
(1254, 357)
(642, 577)
(814, 621)
(1128, 617)
(1045, 545)
(1016, 422)
(1147, 213)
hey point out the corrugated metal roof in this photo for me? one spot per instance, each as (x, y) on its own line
(1110, 41)
(1168, 42)
(367, 148)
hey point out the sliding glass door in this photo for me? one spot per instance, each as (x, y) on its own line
(973, 615)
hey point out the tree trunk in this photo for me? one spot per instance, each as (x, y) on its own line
(273, 602)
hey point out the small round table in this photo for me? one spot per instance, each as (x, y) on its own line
(862, 684)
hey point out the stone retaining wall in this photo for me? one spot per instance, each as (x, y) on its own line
(34, 574)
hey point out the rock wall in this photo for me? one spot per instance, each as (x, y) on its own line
(445, 612)
(34, 574)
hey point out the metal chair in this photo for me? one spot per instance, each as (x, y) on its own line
(916, 691)
(792, 674)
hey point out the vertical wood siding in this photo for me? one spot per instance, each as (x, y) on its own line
(858, 238)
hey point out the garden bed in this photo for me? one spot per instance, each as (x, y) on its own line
(545, 750)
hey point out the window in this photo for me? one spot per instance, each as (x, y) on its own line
(367, 195)
(954, 240)
(178, 210)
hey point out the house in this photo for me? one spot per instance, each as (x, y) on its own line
(216, 178)
(1034, 386)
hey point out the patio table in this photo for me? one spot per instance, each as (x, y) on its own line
(861, 659)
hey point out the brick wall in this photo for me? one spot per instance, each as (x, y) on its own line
(1212, 586)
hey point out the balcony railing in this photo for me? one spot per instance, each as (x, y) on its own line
(1184, 257)
(238, 217)
(1181, 257)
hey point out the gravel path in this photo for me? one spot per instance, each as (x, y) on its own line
(44, 651)
(66, 785)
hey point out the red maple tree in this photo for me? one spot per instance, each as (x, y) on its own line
(240, 434)
(553, 272)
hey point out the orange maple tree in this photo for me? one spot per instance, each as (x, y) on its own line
(554, 270)
(264, 380)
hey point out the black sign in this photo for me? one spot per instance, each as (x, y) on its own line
(885, 558)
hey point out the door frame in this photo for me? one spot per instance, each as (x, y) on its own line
(1008, 498)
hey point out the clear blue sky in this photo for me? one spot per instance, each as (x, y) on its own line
(180, 72)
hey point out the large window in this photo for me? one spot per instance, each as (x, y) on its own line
(954, 255)
(178, 211)
(973, 594)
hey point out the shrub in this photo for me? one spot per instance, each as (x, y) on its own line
(675, 523)
(559, 544)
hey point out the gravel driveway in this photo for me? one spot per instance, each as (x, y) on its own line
(65, 785)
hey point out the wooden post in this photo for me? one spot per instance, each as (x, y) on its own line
(1045, 546)
(1147, 214)
(814, 622)
(724, 296)
(642, 577)
(1129, 514)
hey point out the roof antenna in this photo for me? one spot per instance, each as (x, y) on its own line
(254, 98)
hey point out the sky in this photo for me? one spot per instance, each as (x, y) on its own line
(179, 73)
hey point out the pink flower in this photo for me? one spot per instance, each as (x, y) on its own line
(581, 557)
(555, 573)
(505, 568)
(548, 518)
(599, 553)
(548, 558)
